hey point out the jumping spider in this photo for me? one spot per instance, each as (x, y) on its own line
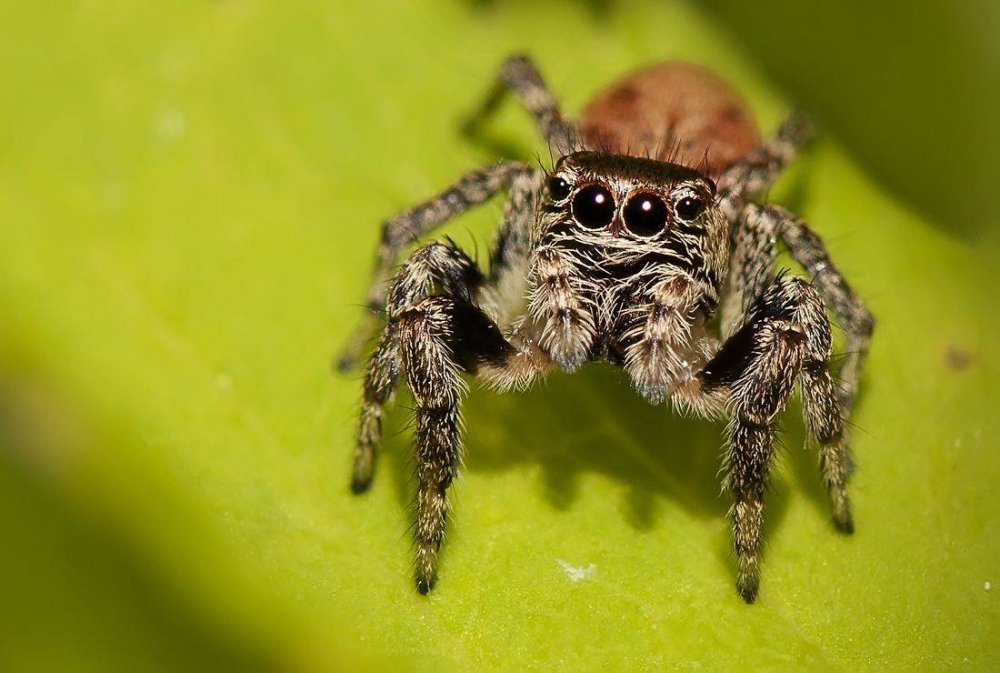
(646, 263)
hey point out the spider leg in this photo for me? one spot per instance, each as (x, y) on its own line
(426, 334)
(434, 265)
(754, 253)
(751, 265)
(785, 336)
(470, 190)
(518, 74)
(435, 330)
(504, 291)
(758, 170)
(853, 316)
(439, 337)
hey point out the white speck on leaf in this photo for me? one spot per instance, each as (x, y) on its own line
(987, 586)
(171, 125)
(114, 196)
(576, 574)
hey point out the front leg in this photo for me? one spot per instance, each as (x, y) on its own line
(434, 267)
(425, 333)
(786, 333)
(826, 406)
(436, 330)
(470, 190)
(439, 338)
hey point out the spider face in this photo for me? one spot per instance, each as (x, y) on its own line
(627, 197)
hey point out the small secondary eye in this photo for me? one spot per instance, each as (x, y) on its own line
(558, 188)
(645, 214)
(594, 206)
(689, 208)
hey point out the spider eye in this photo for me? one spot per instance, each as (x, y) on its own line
(645, 214)
(689, 208)
(594, 206)
(558, 188)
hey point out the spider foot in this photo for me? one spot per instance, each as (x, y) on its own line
(361, 484)
(748, 582)
(842, 519)
(426, 571)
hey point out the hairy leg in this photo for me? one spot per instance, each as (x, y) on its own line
(425, 331)
(757, 171)
(503, 294)
(785, 336)
(470, 190)
(380, 383)
(852, 315)
(825, 403)
(440, 337)
(518, 74)
(751, 266)
(435, 330)
(436, 267)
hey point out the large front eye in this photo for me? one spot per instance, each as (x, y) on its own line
(645, 214)
(594, 206)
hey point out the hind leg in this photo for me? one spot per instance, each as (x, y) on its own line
(757, 171)
(519, 75)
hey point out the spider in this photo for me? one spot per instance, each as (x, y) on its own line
(624, 252)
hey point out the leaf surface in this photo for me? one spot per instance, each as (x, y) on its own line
(190, 197)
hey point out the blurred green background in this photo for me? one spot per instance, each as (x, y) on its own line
(189, 195)
(911, 88)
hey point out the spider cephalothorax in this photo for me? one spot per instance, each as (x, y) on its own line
(640, 262)
(615, 233)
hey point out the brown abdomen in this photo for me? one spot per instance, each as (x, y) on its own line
(673, 111)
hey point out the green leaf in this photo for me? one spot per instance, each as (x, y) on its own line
(190, 196)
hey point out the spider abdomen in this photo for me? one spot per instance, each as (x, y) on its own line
(672, 111)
